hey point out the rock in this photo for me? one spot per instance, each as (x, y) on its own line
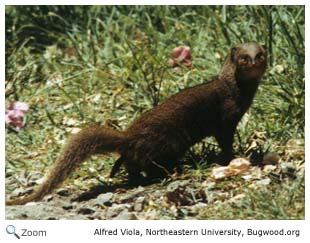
(177, 185)
(85, 210)
(17, 192)
(105, 199)
(28, 191)
(24, 216)
(177, 193)
(9, 172)
(208, 184)
(195, 209)
(31, 183)
(40, 181)
(182, 213)
(288, 167)
(241, 164)
(256, 172)
(247, 177)
(31, 204)
(48, 198)
(260, 183)
(51, 218)
(269, 168)
(63, 192)
(115, 210)
(157, 193)
(67, 206)
(130, 196)
(139, 204)
(34, 177)
(289, 170)
(219, 172)
(263, 182)
(126, 216)
(236, 166)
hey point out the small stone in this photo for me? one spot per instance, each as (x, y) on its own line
(126, 216)
(67, 206)
(236, 167)
(269, 168)
(115, 210)
(196, 208)
(9, 173)
(24, 216)
(241, 164)
(247, 177)
(130, 196)
(256, 172)
(219, 172)
(63, 192)
(29, 191)
(139, 204)
(177, 193)
(105, 199)
(263, 182)
(51, 218)
(289, 170)
(31, 204)
(176, 185)
(48, 198)
(31, 183)
(34, 176)
(17, 192)
(157, 193)
(288, 167)
(85, 210)
(40, 181)
(208, 184)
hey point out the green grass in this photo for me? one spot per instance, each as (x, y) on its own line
(275, 201)
(119, 69)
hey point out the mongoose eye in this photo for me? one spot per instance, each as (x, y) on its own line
(244, 59)
(260, 58)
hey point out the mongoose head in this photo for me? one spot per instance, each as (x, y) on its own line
(250, 60)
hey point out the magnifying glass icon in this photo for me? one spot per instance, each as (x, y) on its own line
(10, 229)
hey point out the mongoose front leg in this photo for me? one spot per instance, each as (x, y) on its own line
(225, 140)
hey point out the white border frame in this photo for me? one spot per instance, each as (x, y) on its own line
(83, 230)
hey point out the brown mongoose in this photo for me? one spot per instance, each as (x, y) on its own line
(155, 141)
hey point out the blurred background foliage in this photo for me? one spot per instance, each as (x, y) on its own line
(98, 49)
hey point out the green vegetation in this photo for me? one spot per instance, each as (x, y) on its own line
(81, 65)
(276, 201)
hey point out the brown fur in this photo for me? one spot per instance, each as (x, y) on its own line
(159, 137)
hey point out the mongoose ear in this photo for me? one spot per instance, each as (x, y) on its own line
(233, 54)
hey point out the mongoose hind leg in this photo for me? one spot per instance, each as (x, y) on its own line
(159, 170)
(133, 171)
(117, 165)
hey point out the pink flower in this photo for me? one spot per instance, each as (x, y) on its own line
(181, 56)
(15, 113)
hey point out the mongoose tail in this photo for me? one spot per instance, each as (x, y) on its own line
(81, 146)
